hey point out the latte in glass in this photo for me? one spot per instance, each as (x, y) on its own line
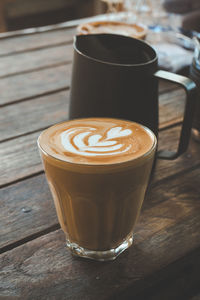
(98, 171)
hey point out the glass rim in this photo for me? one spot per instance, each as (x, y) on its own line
(92, 165)
(152, 60)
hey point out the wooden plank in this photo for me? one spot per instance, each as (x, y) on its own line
(34, 84)
(36, 41)
(28, 202)
(168, 202)
(171, 107)
(13, 123)
(21, 206)
(29, 61)
(19, 158)
(179, 280)
(44, 268)
(33, 115)
(23, 152)
(168, 140)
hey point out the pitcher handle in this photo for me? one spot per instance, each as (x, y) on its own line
(191, 91)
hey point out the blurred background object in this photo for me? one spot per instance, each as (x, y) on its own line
(148, 12)
(188, 12)
(19, 14)
(122, 28)
(114, 5)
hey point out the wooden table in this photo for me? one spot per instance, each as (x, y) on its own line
(164, 262)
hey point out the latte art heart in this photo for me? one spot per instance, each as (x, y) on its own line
(97, 141)
(83, 141)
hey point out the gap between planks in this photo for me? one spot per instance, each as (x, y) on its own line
(175, 175)
(36, 48)
(35, 97)
(41, 171)
(29, 238)
(25, 134)
(21, 179)
(36, 69)
(163, 127)
(56, 226)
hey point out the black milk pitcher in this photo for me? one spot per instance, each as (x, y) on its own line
(117, 77)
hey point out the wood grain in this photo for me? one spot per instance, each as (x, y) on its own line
(19, 158)
(36, 41)
(38, 59)
(41, 112)
(168, 140)
(44, 268)
(179, 280)
(34, 84)
(164, 262)
(23, 152)
(20, 206)
(33, 115)
(171, 107)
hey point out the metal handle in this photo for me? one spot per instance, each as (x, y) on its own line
(191, 92)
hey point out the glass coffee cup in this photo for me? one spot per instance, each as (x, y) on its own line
(98, 170)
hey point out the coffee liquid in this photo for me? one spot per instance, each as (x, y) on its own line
(98, 171)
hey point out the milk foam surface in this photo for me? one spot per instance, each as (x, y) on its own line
(96, 141)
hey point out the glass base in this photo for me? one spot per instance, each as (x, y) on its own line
(99, 255)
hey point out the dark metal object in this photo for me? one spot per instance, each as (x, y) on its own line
(116, 76)
(190, 89)
(195, 75)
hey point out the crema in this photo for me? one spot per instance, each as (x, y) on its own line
(96, 141)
